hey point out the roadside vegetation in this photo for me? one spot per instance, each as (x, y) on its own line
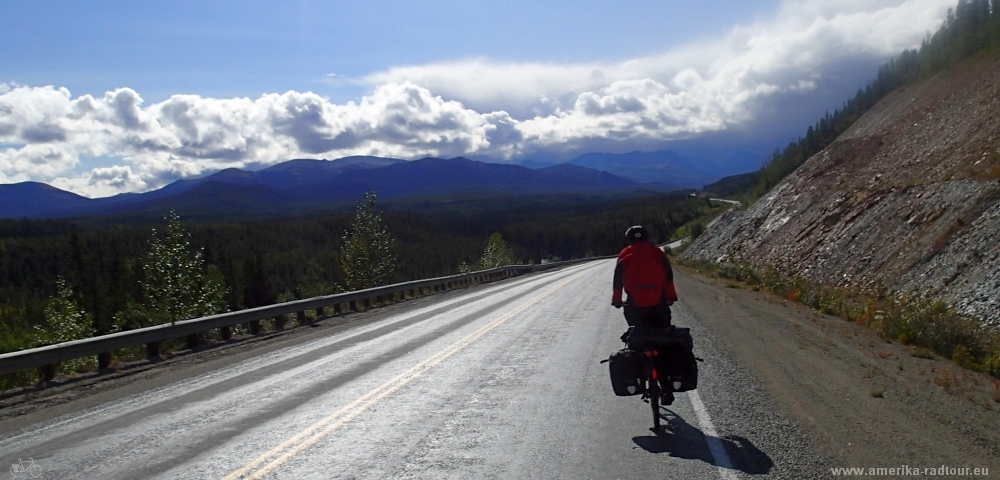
(913, 319)
(496, 254)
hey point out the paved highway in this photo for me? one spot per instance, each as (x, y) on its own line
(497, 381)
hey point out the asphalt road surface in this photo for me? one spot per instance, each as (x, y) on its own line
(497, 381)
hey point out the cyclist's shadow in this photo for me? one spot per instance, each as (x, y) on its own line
(680, 439)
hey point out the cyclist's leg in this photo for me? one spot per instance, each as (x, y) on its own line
(632, 314)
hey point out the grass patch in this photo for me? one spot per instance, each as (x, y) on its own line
(924, 353)
(914, 319)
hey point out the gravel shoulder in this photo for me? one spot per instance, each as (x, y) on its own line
(865, 402)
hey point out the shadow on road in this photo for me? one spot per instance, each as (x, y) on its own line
(680, 439)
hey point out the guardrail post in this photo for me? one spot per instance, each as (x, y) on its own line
(301, 317)
(279, 323)
(193, 341)
(320, 312)
(226, 333)
(103, 360)
(255, 328)
(46, 373)
(153, 350)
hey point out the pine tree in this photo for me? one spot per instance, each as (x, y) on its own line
(368, 258)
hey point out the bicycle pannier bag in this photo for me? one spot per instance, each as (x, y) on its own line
(682, 368)
(626, 373)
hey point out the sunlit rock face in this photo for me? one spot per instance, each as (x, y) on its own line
(908, 198)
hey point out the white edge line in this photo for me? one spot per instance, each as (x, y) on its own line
(715, 445)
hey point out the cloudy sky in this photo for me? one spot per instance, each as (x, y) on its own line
(106, 97)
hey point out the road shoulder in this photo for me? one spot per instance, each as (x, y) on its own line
(866, 402)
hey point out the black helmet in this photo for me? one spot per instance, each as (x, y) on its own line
(637, 232)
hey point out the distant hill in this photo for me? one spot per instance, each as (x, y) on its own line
(33, 199)
(535, 165)
(300, 185)
(733, 184)
(290, 174)
(668, 168)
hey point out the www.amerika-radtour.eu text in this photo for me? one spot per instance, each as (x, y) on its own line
(907, 471)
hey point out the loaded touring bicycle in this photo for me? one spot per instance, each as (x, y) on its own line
(655, 363)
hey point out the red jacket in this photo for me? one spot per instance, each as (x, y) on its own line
(643, 270)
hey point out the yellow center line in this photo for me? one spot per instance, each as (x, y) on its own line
(316, 432)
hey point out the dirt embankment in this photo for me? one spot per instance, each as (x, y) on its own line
(908, 198)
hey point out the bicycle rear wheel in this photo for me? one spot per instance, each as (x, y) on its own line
(654, 402)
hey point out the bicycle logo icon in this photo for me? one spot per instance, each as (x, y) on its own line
(18, 469)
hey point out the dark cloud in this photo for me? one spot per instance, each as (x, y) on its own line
(43, 133)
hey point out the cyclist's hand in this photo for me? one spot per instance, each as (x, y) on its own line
(616, 304)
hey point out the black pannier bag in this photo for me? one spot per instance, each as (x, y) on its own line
(625, 366)
(681, 364)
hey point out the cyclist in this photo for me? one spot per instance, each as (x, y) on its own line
(643, 272)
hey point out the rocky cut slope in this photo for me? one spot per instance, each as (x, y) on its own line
(907, 198)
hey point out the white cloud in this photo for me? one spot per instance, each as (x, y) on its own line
(103, 182)
(475, 106)
(803, 37)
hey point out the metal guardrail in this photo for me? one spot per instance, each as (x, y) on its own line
(48, 356)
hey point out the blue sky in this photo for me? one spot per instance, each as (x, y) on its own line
(105, 97)
(247, 48)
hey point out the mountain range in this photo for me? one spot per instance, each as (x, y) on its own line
(305, 184)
